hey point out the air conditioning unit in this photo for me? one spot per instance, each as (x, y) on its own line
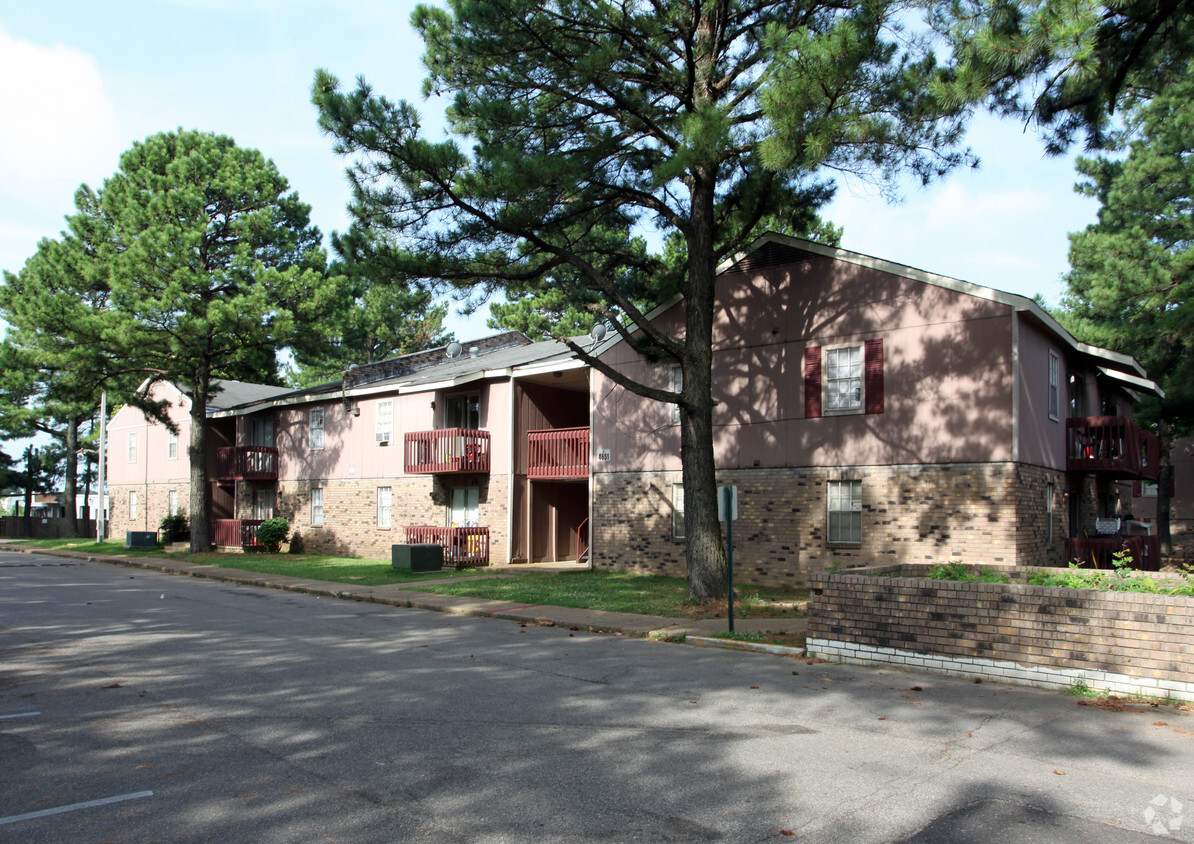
(383, 437)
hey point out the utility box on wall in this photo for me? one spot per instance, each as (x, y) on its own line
(424, 557)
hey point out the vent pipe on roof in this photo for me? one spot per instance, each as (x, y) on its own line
(473, 351)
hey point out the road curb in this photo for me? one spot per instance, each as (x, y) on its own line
(735, 645)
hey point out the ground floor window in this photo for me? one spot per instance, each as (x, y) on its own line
(678, 511)
(317, 506)
(385, 506)
(263, 504)
(173, 505)
(132, 505)
(465, 507)
(845, 512)
(1048, 514)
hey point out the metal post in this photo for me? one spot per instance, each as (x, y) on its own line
(103, 465)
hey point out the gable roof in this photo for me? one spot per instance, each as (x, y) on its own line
(774, 249)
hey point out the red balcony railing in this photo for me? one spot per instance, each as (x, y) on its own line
(446, 451)
(464, 547)
(558, 453)
(1111, 445)
(1097, 551)
(234, 533)
(247, 463)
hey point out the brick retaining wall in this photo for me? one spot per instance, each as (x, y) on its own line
(1039, 635)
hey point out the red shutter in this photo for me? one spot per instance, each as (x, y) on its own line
(873, 363)
(1137, 489)
(812, 382)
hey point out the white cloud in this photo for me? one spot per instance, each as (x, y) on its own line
(58, 127)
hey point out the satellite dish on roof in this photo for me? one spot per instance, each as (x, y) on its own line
(598, 332)
(454, 351)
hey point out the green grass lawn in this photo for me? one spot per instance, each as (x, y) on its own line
(350, 570)
(619, 592)
(599, 590)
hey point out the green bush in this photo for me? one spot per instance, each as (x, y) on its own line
(272, 533)
(963, 572)
(175, 528)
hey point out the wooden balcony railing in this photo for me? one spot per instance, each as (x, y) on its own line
(464, 547)
(234, 533)
(558, 453)
(446, 451)
(1113, 446)
(1097, 551)
(247, 463)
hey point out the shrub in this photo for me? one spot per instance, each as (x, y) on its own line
(963, 572)
(272, 533)
(175, 528)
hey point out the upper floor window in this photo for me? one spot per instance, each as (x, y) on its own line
(463, 411)
(677, 387)
(843, 379)
(1077, 397)
(845, 512)
(261, 431)
(317, 429)
(171, 445)
(384, 422)
(132, 441)
(1054, 386)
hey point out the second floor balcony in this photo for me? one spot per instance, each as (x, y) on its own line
(1113, 446)
(247, 463)
(446, 451)
(558, 453)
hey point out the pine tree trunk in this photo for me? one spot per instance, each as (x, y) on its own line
(705, 554)
(197, 452)
(1164, 483)
(70, 527)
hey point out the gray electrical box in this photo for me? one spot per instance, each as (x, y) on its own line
(140, 539)
(423, 557)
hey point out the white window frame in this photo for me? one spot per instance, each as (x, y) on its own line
(171, 445)
(316, 506)
(385, 507)
(843, 497)
(133, 505)
(316, 428)
(1054, 386)
(132, 447)
(172, 502)
(383, 422)
(678, 512)
(1148, 489)
(827, 380)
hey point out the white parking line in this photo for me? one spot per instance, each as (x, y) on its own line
(19, 715)
(74, 806)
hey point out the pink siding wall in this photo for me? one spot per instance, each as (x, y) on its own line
(351, 450)
(1042, 440)
(152, 464)
(947, 375)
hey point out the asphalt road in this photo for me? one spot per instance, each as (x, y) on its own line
(137, 706)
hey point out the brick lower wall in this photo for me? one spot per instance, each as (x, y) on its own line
(1126, 641)
(989, 513)
(350, 513)
(153, 505)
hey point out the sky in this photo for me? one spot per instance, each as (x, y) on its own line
(81, 81)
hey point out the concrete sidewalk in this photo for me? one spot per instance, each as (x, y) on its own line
(597, 621)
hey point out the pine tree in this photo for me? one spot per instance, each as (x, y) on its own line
(1131, 282)
(580, 123)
